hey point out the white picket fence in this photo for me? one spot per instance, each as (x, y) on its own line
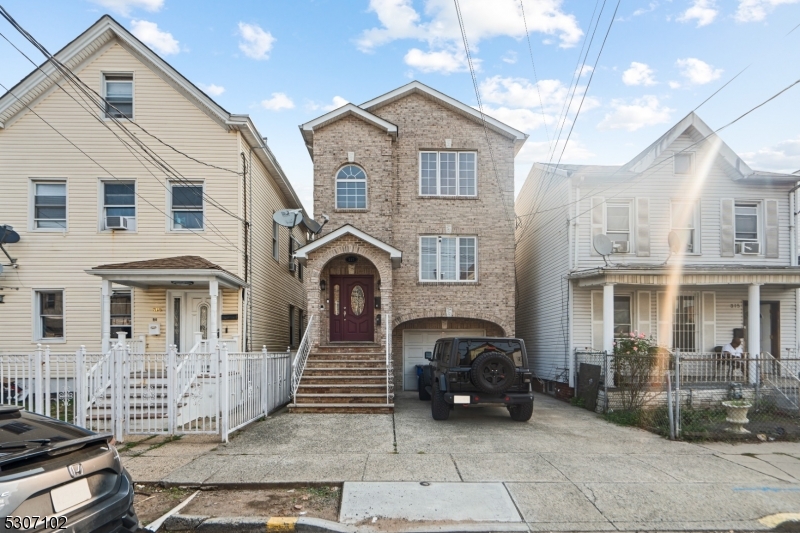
(126, 393)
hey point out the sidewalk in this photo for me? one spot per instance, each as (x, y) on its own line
(565, 470)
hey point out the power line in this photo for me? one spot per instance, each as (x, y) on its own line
(535, 77)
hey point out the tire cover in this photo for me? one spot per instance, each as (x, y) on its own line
(493, 372)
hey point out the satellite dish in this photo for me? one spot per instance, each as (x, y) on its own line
(288, 217)
(676, 244)
(602, 244)
(314, 226)
(8, 235)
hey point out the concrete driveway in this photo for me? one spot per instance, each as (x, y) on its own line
(565, 469)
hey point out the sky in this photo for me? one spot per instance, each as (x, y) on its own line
(287, 62)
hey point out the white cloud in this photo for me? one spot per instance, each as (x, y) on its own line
(698, 72)
(442, 61)
(638, 74)
(644, 111)
(277, 102)
(674, 85)
(256, 43)
(510, 57)
(336, 103)
(212, 89)
(756, 10)
(124, 7)
(585, 70)
(782, 157)
(161, 41)
(703, 11)
(648, 9)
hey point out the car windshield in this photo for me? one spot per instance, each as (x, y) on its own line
(469, 350)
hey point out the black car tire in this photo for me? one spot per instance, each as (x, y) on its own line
(440, 410)
(493, 372)
(521, 412)
(423, 394)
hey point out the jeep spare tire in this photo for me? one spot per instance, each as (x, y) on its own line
(492, 372)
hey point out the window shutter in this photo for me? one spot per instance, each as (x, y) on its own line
(726, 228)
(771, 228)
(709, 321)
(643, 312)
(664, 311)
(597, 320)
(598, 220)
(643, 227)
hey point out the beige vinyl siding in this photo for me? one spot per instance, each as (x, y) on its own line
(30, 149)
(542, 261)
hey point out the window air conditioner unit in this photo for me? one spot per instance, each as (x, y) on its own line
(292, 266)
(621, 247)
(748, 248)
(116, 223)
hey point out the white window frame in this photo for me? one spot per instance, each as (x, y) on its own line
(336, 189)
(439, 177)
(759, 224)
(631, 227)
(698, 318)
(631, 314)
(691, 163)
(101, 199)
(276, 241)
(130, 291)
(103, 80)
(37, 316)
(171, 218)
(439, 258)
(32, 204)
(696, 240)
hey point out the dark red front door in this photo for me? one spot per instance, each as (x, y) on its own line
(351, 312)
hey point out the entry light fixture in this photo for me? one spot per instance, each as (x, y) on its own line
(322, 285)
(183, 282)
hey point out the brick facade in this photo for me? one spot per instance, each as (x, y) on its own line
(397, 215)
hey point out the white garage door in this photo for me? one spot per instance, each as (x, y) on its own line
(418, 341)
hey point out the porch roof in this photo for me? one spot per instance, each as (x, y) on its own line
(180, 271)
(396, 256)
(661, 274)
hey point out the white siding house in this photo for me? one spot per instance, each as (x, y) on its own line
(698, 239)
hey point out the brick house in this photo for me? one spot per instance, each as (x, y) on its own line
(420, 242)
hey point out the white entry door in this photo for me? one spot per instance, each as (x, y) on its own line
(418, 341)
(190, 313)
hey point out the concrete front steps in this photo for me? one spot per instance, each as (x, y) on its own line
(344, 378)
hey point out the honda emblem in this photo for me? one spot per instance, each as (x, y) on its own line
(75, 470)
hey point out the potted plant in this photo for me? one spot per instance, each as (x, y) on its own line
(737, 415)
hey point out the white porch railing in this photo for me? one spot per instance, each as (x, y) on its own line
(299, 362)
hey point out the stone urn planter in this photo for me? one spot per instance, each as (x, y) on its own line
(737, 415)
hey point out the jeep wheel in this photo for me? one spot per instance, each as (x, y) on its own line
(440, 410)
(423, 394)
(521, 412)
(493, 372)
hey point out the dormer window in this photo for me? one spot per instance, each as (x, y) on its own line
(118, 90)
(351, 188)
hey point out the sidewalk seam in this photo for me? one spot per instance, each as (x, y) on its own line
(453, 459)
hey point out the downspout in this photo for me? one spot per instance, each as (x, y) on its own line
(246, 254)
(793, 260)
(572, 232)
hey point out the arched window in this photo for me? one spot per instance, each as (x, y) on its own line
(351, 188)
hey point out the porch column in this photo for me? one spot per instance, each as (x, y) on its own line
(608, 318)
(213, 292)
(753, 329)
(105, 315)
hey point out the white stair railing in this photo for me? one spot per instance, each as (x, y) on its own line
(785, 382)
(299, 362)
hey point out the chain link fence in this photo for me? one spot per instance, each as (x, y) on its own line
(694, 396)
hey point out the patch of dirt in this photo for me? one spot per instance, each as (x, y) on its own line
(317, 502)
(153, 502)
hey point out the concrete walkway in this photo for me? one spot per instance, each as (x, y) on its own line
(567, 469)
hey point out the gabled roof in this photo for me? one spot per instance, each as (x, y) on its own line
(94, 40)
(307, 129)
(367, 109)
(394, 254)
(151, 271)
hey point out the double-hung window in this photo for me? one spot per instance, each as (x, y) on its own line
(684, 323)
(119, 95)
(684, 224)
(121, 314)
(50, 315)
(351, 188)
(747, 226)
(448, 258)
(622, 316)
(187, 206)
(448, 173)
(618, 225)
(50, 205)
(119, 202)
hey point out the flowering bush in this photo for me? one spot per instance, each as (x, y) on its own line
(634, 344)
(635, 358)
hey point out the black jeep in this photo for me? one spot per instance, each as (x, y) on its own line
(477, 370)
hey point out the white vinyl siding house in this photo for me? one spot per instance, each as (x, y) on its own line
(687, 279)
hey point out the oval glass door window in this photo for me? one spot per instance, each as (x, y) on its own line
(357, 300)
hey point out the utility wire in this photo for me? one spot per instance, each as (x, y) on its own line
(535, 77)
